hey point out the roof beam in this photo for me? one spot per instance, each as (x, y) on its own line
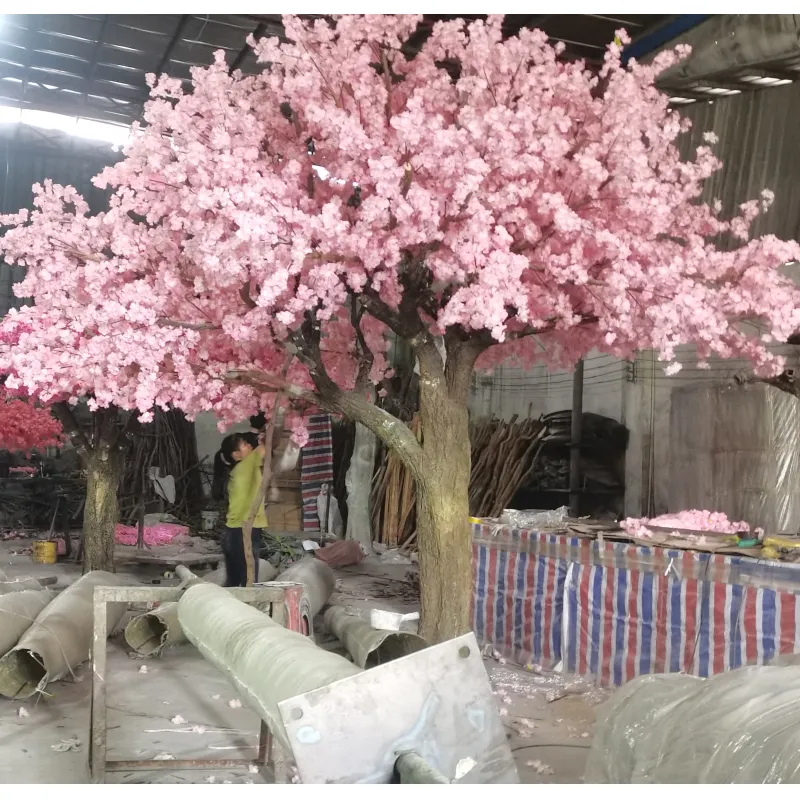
(176, 37)
(240, 56)
(652, 40)
(93, 64)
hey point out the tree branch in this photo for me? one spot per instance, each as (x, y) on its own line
(353, 404)
(64, 415)
(192, 326)
(366, 357)
(529, 331)
(271, 383)
(461, 358)
(107, 428)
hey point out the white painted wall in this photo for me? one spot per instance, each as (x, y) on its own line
(530, 393)
(209, 439)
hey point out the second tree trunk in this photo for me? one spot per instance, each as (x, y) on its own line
(104, 470)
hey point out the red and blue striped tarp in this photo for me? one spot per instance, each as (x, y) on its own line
(615, 611)
(518, 603)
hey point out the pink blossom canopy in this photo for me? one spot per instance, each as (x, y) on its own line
(526, 202)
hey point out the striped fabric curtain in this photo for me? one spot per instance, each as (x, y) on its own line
(316, 467)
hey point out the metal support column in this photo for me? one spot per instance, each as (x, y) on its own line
(575, 441)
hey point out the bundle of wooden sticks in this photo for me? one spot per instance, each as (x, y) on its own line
(504, 457)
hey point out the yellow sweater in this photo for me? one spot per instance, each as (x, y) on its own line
(242, 488)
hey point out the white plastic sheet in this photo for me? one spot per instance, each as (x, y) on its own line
(736, 449)
(741, 726)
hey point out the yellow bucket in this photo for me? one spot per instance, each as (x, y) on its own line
(44, 552)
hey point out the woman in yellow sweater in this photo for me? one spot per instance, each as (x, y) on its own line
(240, 459)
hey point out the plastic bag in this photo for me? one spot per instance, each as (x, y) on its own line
(535, 520)
(327, 501)
(741, 726)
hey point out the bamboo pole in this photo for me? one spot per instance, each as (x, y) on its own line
(266, 477)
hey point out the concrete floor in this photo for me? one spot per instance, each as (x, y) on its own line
(550, 734)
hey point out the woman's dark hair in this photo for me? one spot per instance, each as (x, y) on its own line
(259, 421)
(224, 462)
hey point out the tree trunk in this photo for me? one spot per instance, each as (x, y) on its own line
(445, 545)
(440, 465)
(359, 487)
(104, 470)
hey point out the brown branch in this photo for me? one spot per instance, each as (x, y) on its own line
(192, 326)
(108, 433)
(354, 405)
(244, 293)
(366, 357)
(590, 320)
(64, 415)
(272, 383)
(387, 82)
(461, 357)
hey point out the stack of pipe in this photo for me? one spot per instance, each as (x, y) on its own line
(148, 634)
(58, 639)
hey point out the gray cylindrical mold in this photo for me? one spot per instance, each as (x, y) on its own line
(148, 634)
(60, 638)
(367, 645)
(264, 661)
(21, 585)
(318, 579)
(18, 611)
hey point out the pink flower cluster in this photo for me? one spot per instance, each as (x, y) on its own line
(163, 533)
(691, 520)
(25, 426)
(540, 197)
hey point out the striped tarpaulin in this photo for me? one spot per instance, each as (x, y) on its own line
(316, 466)
(615, 610)
(517, 603)
(622, 623)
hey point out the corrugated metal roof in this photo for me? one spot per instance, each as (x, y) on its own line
(736, 52)
(758, 151)
(95, 65)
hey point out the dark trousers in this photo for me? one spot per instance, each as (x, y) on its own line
(235, 565)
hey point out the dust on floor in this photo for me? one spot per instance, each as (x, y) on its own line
(181, 706)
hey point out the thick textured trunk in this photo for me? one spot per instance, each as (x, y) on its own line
(440, 465)
(359, 485)
(445, 550)
(104, 471)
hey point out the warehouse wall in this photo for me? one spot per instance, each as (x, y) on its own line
(528, 393)
(637, 394)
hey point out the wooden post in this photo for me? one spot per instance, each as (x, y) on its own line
(575, 441)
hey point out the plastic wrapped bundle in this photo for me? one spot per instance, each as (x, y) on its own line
(741, 726)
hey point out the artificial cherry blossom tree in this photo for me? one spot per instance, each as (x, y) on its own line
(100, 446)
(26, 426)
(480, 199)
